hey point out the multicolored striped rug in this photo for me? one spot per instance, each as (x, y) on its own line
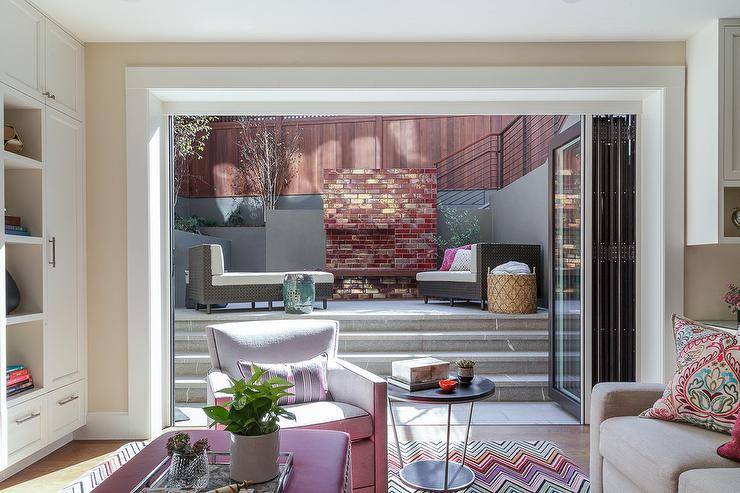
(499, 466)
(94, 477)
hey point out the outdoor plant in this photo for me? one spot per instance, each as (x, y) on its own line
(192, 224)
(235, 218)
(180, 444)
(189, 135)
(253, 411)
(463, 226)
(268, 161)
(465, 363)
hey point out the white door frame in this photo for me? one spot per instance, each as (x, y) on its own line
(656, 94)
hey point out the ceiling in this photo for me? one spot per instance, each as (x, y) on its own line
(385, 20)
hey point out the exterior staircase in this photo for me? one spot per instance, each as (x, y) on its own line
(513, 350)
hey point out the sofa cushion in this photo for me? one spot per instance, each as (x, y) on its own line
(654, 453)
(462, 261)
(705, 389)
(329, 415)
(709, 481)
(308, 378)
(449, 276)
(217, 260)
(450, 256)
(254, 278)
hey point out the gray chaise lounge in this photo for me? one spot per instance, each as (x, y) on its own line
(210, 284)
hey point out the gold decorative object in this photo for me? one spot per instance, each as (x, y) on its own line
(11, 140)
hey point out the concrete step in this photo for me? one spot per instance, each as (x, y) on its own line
(419, 322)
(509, 388)
(407, 341)
(491, 362)
(458, 341)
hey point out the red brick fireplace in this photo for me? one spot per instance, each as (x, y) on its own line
(380, 227)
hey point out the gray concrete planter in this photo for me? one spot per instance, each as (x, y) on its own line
(254, 458)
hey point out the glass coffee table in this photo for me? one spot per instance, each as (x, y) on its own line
(439, 475)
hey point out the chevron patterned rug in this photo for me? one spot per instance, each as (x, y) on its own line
(499, 466)
(94, 477)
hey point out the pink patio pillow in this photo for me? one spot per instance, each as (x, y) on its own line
(705, 390)
(309, 378)
(450, 256)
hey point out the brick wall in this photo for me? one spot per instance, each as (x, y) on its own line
(380, 219)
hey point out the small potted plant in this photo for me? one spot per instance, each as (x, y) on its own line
(189, 466)
(732, 298)
(465, 370)
(252, 419)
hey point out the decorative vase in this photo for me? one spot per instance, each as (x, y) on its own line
(12, 294)
(299, 293)
(188, 472)
(465, 375)
(254, 458)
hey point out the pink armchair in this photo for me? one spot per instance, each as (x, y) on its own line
(358, 398)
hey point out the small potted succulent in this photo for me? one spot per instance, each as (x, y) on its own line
(465, 370)
(252, 418)
(732, 298)
(189, 466)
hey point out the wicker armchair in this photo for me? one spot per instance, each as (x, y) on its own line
(473, 284)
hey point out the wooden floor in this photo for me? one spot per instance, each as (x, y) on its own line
(55, 471)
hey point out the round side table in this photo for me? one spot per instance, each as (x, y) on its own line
(439, 475)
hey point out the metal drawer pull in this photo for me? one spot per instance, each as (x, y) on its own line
(69, 399)
(53, 261)
(34, 414)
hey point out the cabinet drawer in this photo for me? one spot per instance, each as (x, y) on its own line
(66, 410)
(26, 432)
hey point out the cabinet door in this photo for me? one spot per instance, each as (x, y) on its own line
(21, 47)
(731, 103)
(63, 333)
(63, 56)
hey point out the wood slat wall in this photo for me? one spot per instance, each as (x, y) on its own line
(364, 142)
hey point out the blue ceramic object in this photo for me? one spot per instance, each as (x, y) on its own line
(299, 293)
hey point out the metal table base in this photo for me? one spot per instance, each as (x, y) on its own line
(436, 475)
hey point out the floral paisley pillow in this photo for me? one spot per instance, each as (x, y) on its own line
(704, 391)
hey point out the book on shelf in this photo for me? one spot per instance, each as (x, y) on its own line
(12, 220)
(17, 379)
(413, 387)
(21, 387)
(18, 372)
(18, 232)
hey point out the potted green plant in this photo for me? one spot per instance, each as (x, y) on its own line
(465, 370)
(252, 419)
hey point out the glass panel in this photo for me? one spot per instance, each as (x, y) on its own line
(567, 270)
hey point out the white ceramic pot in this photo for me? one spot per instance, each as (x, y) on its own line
(254, 458)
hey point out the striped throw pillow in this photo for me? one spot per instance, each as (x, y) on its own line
(309, 378)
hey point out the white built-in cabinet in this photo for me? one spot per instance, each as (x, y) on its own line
(38, 57)
(713, 133)
(41, 95)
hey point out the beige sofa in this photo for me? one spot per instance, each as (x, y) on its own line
(630, 454)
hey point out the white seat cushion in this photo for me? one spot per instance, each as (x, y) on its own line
(329, 415)
(446, 275)
(252, 278)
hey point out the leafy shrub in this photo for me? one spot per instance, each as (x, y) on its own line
(464, 228)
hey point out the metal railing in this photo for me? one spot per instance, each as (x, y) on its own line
(498, 159)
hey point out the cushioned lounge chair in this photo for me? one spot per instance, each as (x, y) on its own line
(473, 284)
(209, 284)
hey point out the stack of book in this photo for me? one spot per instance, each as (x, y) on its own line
(418, 374)
(13, 226)
(17, 379)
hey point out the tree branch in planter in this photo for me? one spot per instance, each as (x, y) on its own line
(190, 134)
(268, 161)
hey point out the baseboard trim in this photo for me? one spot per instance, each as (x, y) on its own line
(107, 426)
(34, 457)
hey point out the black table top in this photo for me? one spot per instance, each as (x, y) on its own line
(478, 389)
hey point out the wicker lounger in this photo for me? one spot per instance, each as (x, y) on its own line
(473, 285)
(205, 262)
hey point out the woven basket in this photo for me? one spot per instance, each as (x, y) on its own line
(512, 293)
